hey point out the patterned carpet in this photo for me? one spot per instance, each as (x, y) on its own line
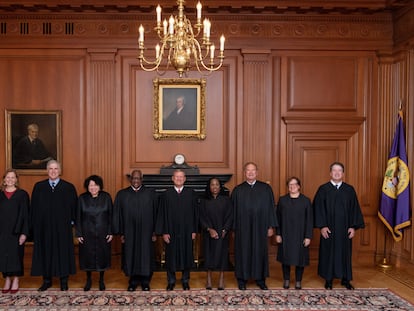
(227, 300)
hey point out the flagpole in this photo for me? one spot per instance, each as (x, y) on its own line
(384, 264)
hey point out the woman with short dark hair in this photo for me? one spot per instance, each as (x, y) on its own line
(94, 230)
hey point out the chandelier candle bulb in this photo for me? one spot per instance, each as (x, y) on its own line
(141, 34)
(207, 27)
(199, 6)
(204, 27)
(157, 51)
(171, 23)
(212, 47)
(222, 39)
(158, 15)
(165, 24)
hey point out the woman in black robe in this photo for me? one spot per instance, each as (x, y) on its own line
(294, 234)
(216, 215)
(14, 228)
(94, 230)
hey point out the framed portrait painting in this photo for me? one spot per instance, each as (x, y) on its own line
(33, 138)
(179, 109)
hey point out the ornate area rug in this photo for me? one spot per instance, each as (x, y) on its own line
(227, 300)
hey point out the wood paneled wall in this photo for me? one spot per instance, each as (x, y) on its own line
(295, 93)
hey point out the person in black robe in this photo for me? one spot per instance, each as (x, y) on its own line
(52, 214)
(294, 233)
(94, 230)
(135, 209)
(254, 221)
(177, 222)
(337, 214)
(14, 229)
(216, 217)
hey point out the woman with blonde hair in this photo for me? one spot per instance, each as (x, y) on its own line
(14, 228)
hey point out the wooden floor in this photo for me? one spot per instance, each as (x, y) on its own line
(400, 281)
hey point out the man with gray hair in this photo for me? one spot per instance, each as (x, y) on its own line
(53, 207)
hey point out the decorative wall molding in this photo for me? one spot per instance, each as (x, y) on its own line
(213, 6)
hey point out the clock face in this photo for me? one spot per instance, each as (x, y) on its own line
(179, 159)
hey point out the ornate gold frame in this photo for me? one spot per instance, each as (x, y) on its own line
(166, 91)
(49, 123)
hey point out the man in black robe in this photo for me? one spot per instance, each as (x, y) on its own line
(53, 207)
(177, 223)
(337, 215)
(134, 216)
(254, 220)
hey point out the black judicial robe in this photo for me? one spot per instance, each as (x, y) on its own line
(216, 213)
(14, 221)
(177, 216)
(254, 214)
(339, 210)
(134, 217)
(94, 223)
(52, 214)
(295, 217)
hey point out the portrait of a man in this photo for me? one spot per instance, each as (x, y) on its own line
(180, 109)
(183, 117)
(34, 139)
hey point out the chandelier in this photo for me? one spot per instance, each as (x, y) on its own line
(179, 47)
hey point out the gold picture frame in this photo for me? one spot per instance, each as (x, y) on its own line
(33, 138)
(179, 109)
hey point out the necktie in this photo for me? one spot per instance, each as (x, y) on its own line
(179, 191)
(53, 184)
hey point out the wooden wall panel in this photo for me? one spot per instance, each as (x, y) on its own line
(48, 80)
(101, 124)
(257, 114)
(322, 83)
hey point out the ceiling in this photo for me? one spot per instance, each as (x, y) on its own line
(210, 6)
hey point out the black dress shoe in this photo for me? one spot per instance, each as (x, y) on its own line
(209, 288)
(145, 287)
(186, 286)
(102, 285)
(286, 284)
(64, 286)
(347, 285)
(328, 284)
(220, 288)
(263, 286)
(132, 287)
(170, 286)
(242, 287)
(44, 287)
(88, 285)
(64, 283)
(298, 285)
